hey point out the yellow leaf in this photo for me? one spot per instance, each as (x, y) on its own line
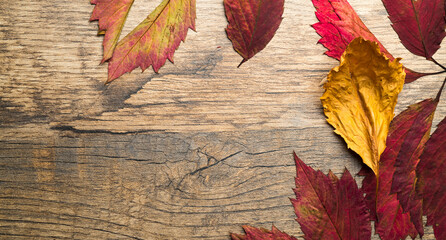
(360, 96)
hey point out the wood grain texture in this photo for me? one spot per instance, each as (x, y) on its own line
(190, 153)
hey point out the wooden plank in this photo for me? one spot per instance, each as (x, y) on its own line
(157, 186)
(190, 153)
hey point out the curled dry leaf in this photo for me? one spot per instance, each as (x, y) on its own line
(431, 173)
(339, 24)
(252, 24)
(111, 16)
(253, 233)
(360, 96)
(407, 135)
(419, 24)
(327, 207)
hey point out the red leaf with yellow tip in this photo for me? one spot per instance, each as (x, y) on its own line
(339, 24)
(431, 173)
(327, 207)
(420, 24)
(155, 39)
(253, 233)
(407, 134)
(111, 15)
(252, 24)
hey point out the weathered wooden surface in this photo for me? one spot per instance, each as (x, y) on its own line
(190, 153)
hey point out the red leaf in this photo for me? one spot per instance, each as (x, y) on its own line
(253, 233)
(420, 24)
(252, 24)
(419, 116)
(431, 172)
(390, 221)
(339, 24)
(111, 16)
(327, 207)
(407, 135)
(155, 39)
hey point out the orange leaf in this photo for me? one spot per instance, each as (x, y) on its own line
(360, 96)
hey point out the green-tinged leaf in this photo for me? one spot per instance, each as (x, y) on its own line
(155, 39)
(111, 15)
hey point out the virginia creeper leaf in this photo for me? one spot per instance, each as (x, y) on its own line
(339, 24)
(420, 24)
(360, 96)
(420, 117)
(407, 134)
(111, 16)
(252, 24)
(155, 39)
(327, 207)
(253, 233)
(431, 172)
(390, 221)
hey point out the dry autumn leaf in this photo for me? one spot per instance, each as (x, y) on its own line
(431, 173)
(327, 207)
(360, 96)
(419, 24)
(111, 16)
(151, 43)
(412, 144)
(339, 24)
(390, 220)
(407, 135)
(155, 39)
(252, 24)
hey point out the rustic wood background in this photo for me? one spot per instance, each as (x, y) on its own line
(190, 153)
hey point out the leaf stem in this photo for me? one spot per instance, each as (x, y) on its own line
(440, 91)
(436, 73)
(244, 60)
(433, 60)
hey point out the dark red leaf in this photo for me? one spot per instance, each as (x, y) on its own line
(412, 143)
(390, 221)
(252, 24)
(327, 207)
(420, 24)
(431, 173)
(339, 24)
(407, 135)
(253, 233)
